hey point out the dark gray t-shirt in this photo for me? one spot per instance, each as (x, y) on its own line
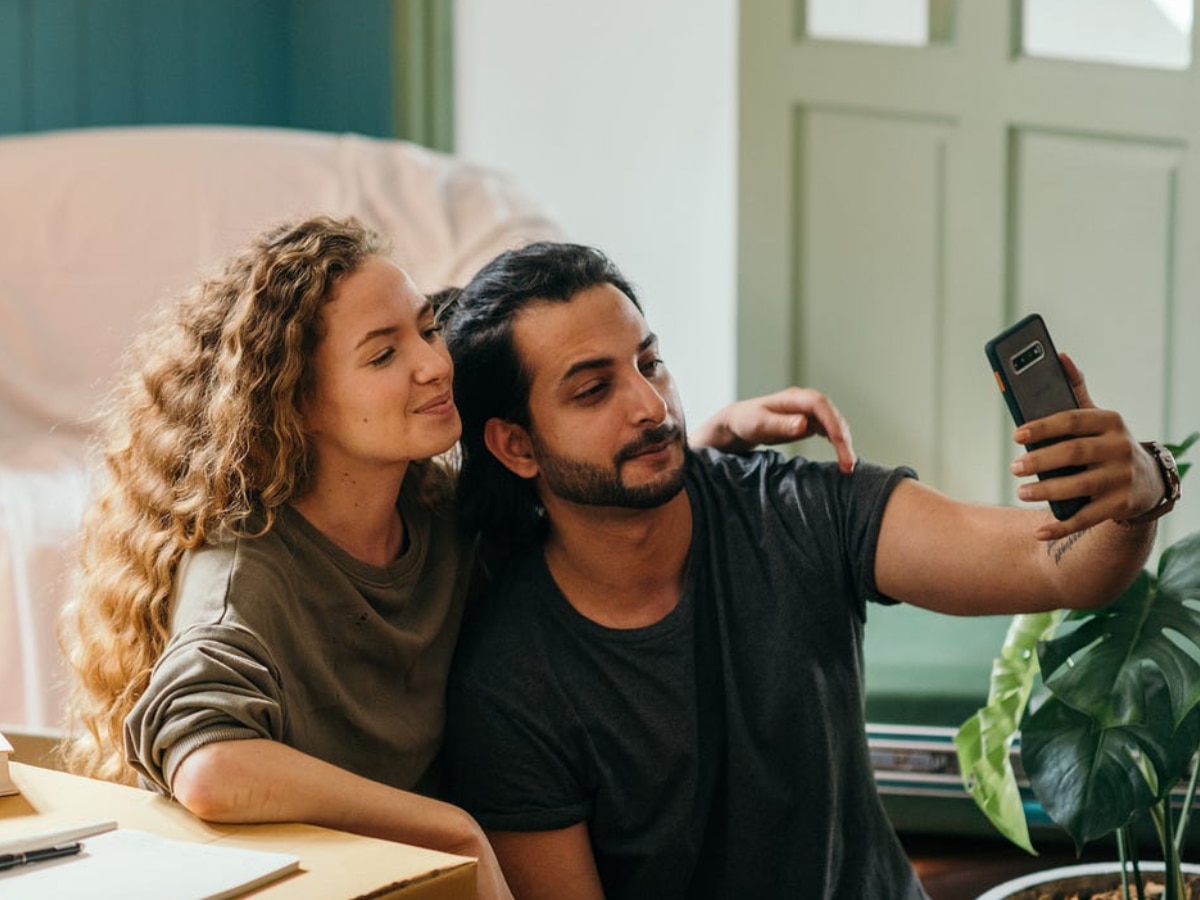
(290, 638)
(721, 751)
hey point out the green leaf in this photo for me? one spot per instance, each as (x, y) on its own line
(1082, 776)
(1093, 779)
(1178, 450)
(1098, 668)
(984, 742)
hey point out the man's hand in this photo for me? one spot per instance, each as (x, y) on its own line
(788, 415)
(1120, 477)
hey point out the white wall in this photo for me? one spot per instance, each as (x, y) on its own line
(621, 116)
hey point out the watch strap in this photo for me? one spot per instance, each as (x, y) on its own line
(1171, 486)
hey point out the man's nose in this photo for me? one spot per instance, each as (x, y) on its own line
(650, 405)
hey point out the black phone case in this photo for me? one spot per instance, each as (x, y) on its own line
(1034, 384)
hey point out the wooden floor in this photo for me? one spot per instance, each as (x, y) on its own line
(962, 869)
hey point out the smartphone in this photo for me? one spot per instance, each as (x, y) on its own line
(1034, 384)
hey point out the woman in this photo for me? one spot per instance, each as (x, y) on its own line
(272, 573)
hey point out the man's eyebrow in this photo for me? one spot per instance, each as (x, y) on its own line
(425, 309)
(585, 365)
(602, 362)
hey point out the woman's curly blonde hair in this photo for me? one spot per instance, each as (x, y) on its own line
(202, 432)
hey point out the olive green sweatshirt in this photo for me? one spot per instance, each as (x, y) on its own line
(288, 637)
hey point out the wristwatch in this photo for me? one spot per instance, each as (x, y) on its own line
(1171, 491)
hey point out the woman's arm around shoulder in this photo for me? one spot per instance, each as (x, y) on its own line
(257, 780)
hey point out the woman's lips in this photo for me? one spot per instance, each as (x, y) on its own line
(440, 405)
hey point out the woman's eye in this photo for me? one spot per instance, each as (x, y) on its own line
(382, 358)
(430, 332)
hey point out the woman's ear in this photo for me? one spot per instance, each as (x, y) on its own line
(510, 444)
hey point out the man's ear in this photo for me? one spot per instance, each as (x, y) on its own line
(510, 444)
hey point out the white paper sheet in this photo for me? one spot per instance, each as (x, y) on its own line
(133, 865)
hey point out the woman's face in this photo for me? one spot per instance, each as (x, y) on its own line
(382, 387)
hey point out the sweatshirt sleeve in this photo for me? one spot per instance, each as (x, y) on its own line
(212, 683)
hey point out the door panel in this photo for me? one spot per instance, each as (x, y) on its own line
(869, 284)
(1093, 225)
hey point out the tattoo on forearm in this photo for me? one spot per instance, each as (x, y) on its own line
(1059, 549)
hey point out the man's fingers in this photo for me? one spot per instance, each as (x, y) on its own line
(1078, 385)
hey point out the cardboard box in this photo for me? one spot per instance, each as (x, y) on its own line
(334, 865)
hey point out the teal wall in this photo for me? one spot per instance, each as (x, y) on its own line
(322, 64)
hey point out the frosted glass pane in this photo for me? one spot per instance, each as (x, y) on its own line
(1151, 33)
(869, 21)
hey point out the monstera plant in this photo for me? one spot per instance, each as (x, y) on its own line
(1115, 726)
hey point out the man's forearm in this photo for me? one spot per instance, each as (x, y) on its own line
(1092, 567)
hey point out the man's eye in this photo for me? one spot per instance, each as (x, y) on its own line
(592, 391)
(652, 366)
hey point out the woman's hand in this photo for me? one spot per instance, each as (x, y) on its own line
(788, 415)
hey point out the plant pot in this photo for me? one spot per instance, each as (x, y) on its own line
(1082, 877)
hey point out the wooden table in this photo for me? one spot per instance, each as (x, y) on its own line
(334, 865)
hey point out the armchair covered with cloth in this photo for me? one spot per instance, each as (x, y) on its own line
(96, 227)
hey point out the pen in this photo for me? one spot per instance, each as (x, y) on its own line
(12, 860)
(54, 837)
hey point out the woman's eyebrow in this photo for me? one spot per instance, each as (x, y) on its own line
(424, 310)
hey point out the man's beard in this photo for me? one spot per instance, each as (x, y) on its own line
(593, 485)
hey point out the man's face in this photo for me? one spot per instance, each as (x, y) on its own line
(605, 421)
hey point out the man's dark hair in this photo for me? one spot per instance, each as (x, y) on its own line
(490, 380)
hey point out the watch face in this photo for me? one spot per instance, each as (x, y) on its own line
(1169, 469)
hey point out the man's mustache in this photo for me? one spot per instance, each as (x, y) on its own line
(661, 434)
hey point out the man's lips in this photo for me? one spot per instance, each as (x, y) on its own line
(654, 441)
(651, 449)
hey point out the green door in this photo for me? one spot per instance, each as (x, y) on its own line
(902, 200)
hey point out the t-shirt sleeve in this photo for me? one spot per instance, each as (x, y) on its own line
(872, 489)
(212, 683)
(507, 770)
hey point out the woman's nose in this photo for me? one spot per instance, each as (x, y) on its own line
(434, 363)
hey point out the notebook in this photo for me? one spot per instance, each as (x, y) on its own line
(126, 864)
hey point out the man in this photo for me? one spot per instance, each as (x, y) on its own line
(662, 696)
